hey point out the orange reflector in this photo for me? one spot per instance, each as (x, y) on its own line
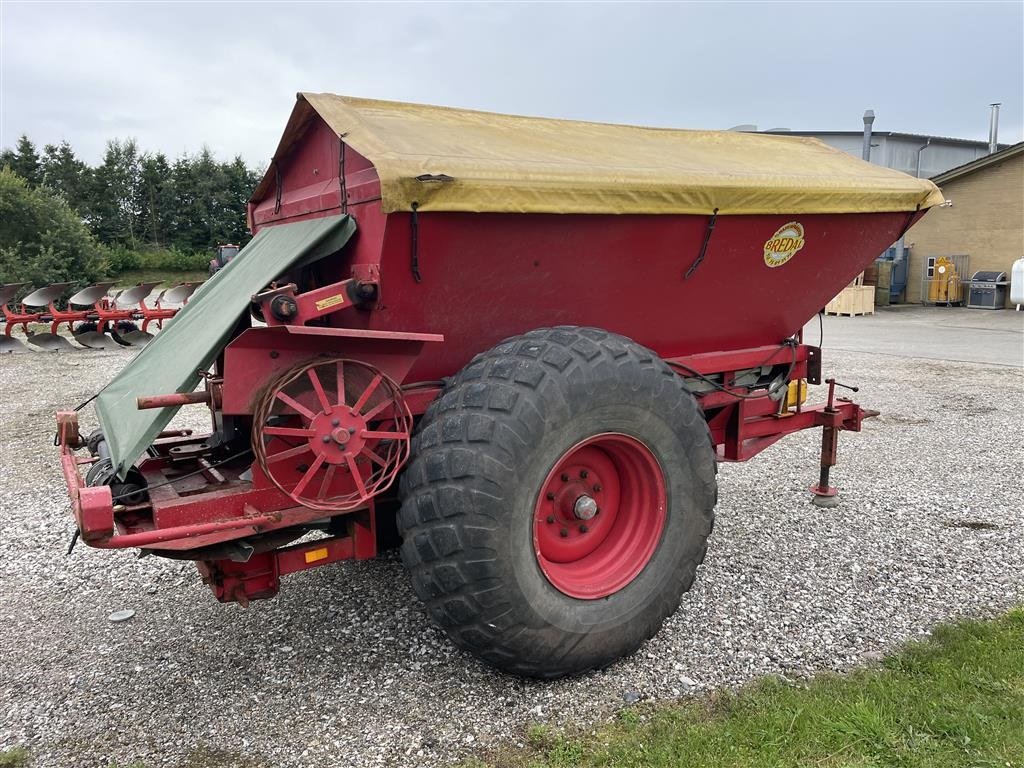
(316, 554)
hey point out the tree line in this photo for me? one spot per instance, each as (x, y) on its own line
(138, 200)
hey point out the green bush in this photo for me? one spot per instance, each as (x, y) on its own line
(42, 240)
(121, 259)
(174, 260)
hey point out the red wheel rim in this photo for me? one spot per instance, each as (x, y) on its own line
(599, 516)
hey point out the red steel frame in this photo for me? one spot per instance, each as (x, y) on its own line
(741, 426)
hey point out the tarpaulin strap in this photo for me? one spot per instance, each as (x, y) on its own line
(84, 403)
(704, 246)
(74, 540)
(342, 188)
(910, 221)
(415, 263)
(277, 184)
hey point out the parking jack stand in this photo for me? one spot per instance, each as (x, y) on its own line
(823, 494)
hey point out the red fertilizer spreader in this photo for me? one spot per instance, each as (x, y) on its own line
(518, 346)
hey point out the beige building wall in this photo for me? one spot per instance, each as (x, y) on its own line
(986, 222)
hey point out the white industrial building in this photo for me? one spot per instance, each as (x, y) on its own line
(917, 154)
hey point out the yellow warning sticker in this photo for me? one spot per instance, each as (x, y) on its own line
(783, 245)
(316, 554)
(330, 301)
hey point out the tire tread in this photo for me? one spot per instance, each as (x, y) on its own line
(473, 435)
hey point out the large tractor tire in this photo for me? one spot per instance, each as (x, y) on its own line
(558, 501)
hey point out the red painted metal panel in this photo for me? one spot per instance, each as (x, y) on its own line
(302, 557)
(260, 354)
(490, 276)
(309, 180)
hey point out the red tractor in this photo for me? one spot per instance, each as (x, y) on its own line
(527, 343)
(224, 254)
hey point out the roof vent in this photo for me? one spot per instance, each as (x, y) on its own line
(993, 128)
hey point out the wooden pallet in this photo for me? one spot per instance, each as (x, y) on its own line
(850, 314)
(855, 300)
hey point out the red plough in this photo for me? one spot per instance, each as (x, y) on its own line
(94, 319)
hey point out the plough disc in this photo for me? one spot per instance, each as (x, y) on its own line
(95, 340)
(7, 344)
(9, 291)
(44, 296)
(179, 294)
(128, 334)
(134, 338)
(131, 296)
(89, 296)
(51, 342)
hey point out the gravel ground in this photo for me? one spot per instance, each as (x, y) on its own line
(344, 667)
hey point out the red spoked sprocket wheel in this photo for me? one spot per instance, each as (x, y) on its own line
(332, 433)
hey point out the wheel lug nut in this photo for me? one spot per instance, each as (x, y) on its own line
(564, 532)
(351, 430)
(583, 529)
(326, 438)
(565, 478)
(551, 495)
(335, 422)
(597, 488)
(584, 474)
(551, 518)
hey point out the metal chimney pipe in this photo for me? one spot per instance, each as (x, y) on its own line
(993, 128)
(921, 149)
(869, 118)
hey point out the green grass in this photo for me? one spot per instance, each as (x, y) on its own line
(166, 277)
(956, 699)
(16, 757)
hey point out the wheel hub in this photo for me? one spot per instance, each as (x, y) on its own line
(585, 507)
(599, 516)
(338, 433)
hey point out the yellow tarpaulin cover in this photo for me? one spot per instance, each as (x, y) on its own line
(480, 161)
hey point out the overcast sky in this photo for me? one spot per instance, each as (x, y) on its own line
(179, 75)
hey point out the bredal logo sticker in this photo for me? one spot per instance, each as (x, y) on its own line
(783, 245)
